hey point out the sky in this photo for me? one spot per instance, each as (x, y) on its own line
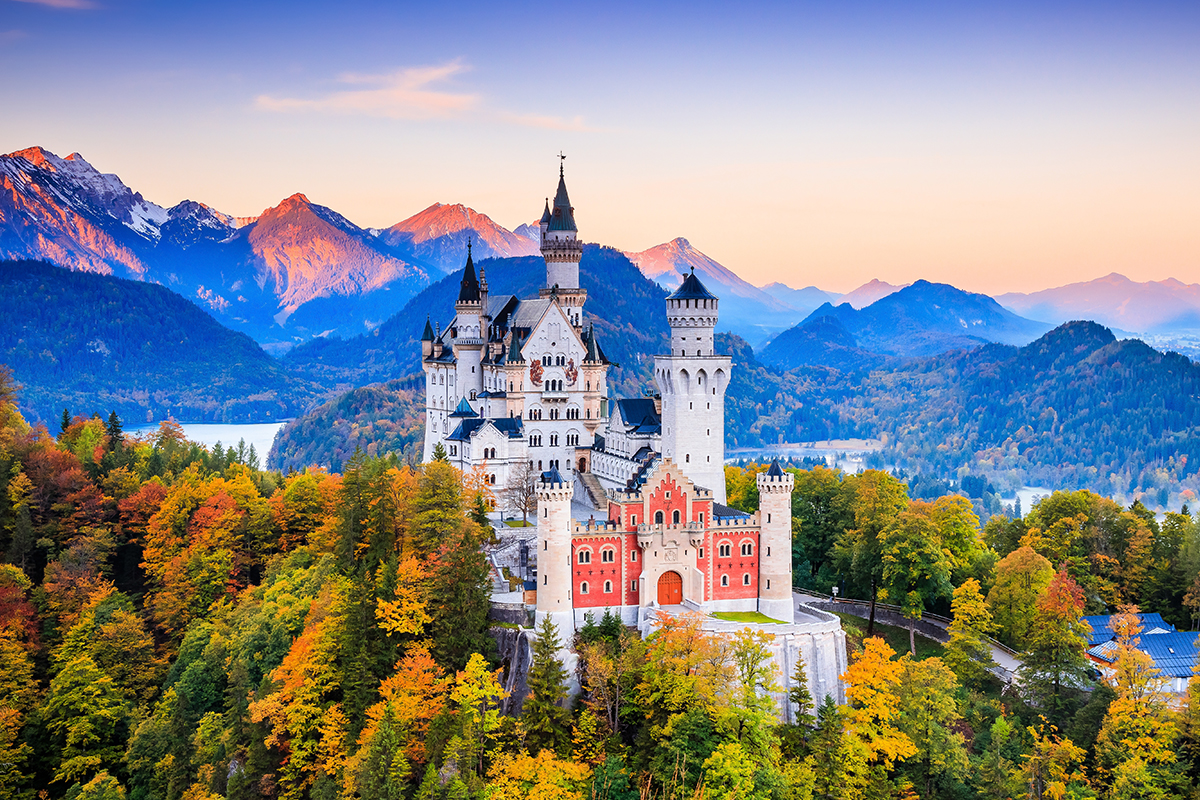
(996, 147)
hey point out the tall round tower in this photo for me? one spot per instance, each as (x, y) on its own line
(775, 543)
(562, 251)
(470, 328)
(692, 380)
(554, 495)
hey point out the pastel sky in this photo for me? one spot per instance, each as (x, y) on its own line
(1000, 147)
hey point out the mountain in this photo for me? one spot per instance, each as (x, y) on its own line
(97, 343)
(919, 320)
(1149, 307)
(745, 309)
(438, 236)
(625, 307)
(253, 274)
(803, 300)
(868, 293)
(821, 341)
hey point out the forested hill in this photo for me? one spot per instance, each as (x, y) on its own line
(95, 343)
(625, 307)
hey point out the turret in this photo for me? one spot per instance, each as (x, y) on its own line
(470, 329)
(554, 495)
(775, 543)
(562, 251)
(692, 380)
(427, 340)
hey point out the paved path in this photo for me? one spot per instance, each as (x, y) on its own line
(1007, 665)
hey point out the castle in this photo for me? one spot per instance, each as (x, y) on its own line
(630, 493)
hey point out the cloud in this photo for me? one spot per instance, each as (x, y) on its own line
(542, 121)
(405, 94)
(11, 36)
(77, 5)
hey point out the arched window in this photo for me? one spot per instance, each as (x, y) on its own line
(675, 517)
(583, 557)
(607, 555)
(658, 518)
(746, 579)
(723, 551)
(583, 588)
(747, 549)
(724, 580)
(608, 587)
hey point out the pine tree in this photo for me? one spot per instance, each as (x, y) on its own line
(544, 717)
(800, 696)
(114, 432)
(439, 453)
(65, 422)
(460, 597)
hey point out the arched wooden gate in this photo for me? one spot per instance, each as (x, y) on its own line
(670, 589)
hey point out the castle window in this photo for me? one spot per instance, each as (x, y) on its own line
(768, 584)
(658, 518)
(608, 587)
(701, 553)
(583, 588)
(723, 551)
(554, 440)
(746, 579)
(697, 352)
(724, 580)
(687, 458)
(583, 557)
(633, 555)
(492, 479)
(675, 517)
(633, 519)
(747, 549)
(633, 586)
(607, 555)
(768, 517)
(453, 450)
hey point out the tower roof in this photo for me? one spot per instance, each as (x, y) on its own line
(553, 476)
(469, 293)
(563, 216)
(545, 220)
(775, 471)
(692, 289)
(427, 336)
(464, 409)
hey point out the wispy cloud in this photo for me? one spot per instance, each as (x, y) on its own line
(543, 121)
(77, 5)
(12, 36)
(405, 94)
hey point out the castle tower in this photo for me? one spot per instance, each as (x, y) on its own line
(775, 543)
(471, 328)
(692, 380)
(554, 495)
(562, 251)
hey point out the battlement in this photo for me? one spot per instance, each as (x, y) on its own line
(597, 528)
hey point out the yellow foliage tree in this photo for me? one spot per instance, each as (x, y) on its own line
(871, 689)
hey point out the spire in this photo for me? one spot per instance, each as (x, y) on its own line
(775, 471)
(592, 354)
(545, 220)
(427, 336)
(692, 289)
(563, 216)
(469, 293)
(464, 409)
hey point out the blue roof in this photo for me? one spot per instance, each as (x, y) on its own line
(725, 512)
(1174, 653)
(1102, 626)
(692, 289)
(639, 412)
(775, 471)
(552, 476)
(510, 426)
(563, 216)
(464, 409)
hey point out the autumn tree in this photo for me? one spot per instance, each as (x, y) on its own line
(1054, 659)
(838, 760)
(1021, 578)
(1053, 769)
(872, 686)
(968, 653)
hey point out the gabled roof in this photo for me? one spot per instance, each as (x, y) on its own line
(692, 289)
(639, 414)
(464, 409)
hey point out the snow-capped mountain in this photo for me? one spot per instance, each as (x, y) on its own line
(438, 236)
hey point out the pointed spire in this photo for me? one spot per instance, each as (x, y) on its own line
(469, 293)
(464, 409)
(427, 336)
(545, 220)
(563, 216)
(775, 471)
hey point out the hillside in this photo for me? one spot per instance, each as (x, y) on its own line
(927, 318)
(625, 307)
(1116, 301)
(380, 419)
(820, 341)
(96, 343)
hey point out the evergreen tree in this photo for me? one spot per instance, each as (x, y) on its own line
(547, 722)
(799, 695)
(65, 422)
(439, 453)
(460, 597)
(113, 431)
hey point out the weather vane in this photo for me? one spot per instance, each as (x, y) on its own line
(561, 159)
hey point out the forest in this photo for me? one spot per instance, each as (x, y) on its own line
(180, 624)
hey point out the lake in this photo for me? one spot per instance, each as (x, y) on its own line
(259, 434)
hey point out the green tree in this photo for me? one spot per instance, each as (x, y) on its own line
(546, 720)
(822, 510)
(113, 432)
(459, 599)
(928, 716)
(879, 499)
(88, 719)
(800, 696)
(996, 776)
(916, 568)
(968, 653)
(838, 760)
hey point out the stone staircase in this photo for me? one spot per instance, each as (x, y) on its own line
(594, 490)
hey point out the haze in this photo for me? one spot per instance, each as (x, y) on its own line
(1009, 149)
